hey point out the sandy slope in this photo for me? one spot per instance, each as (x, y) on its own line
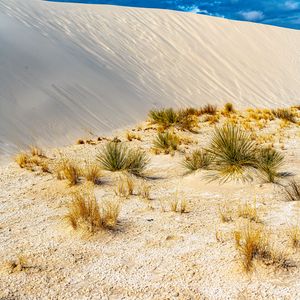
(69, 69)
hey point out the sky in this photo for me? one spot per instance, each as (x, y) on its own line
(284, 13)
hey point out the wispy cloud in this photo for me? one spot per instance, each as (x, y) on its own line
(252, 15)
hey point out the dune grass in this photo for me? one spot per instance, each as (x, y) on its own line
(234, 153)
(285, 114)
(199, 159)
(119, 157)
(269, 161)
(85, 214)
(166, 142)
(92, 173)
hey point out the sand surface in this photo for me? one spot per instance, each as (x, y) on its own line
(69, 70)
(151, 254)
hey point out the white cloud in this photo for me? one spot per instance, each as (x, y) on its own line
(252, 15)
(291, 5)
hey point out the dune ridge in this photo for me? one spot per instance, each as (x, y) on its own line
(68, 70)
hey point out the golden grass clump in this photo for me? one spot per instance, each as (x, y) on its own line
(36, 151)
(86, 215)
(22, 159)
(248, 211)
(68, 170)
(253, 244)
(225, 213)
(175, 204)
(144, 190)
(93, 173)
(166, 142)
(125, 186)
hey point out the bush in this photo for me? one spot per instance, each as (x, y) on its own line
(208, 109)
(166, 141)
(200, 159)
(85, 214)
(233, 152)
(165, 117)
(118, 157)
(268, 163)
(284, 114)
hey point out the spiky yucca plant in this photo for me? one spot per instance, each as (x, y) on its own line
(199, 159)
(269, 162)
(118, 157)
(233, 151)
(166, 141)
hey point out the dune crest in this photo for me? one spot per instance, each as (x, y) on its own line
(68, 70)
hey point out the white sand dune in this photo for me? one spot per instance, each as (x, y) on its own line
(67, 69)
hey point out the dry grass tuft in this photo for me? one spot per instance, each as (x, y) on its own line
(294, 234)
(125, 186)
(86, 215)
(226, 214)
(144, 190)
(132, 136)
(208, 109)
(22, 159)
(68, 170)
(36, 151)
(248, 211)
(253, 244)
(93, 173)
(175, 204)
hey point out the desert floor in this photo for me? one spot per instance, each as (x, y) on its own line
(153, 253)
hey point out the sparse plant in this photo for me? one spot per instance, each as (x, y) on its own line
(85, 214)
(294, 234)
(144, 190)
(228, 108)
(22, 159)
(226, 214)
(36, 151)
(248, 211)
(125, 186)
(165, 117)
(292, 191)
(93, 173)
(132, 136)
(166, 141)
(233, 152)
(208, 109)
(70, 171)
(199, 159)
(118, 157)
(269, 162)
(285, 114)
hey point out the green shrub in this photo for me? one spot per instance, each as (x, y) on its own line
(166, 141)
(234, 152)
(200, 159)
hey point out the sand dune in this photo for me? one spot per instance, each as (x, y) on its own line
(68, 70)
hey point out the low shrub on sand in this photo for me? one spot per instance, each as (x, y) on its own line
(166, 142)
(118, 157)
(199, 159)
(85, 214)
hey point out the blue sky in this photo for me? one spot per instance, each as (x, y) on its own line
(285, 13)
